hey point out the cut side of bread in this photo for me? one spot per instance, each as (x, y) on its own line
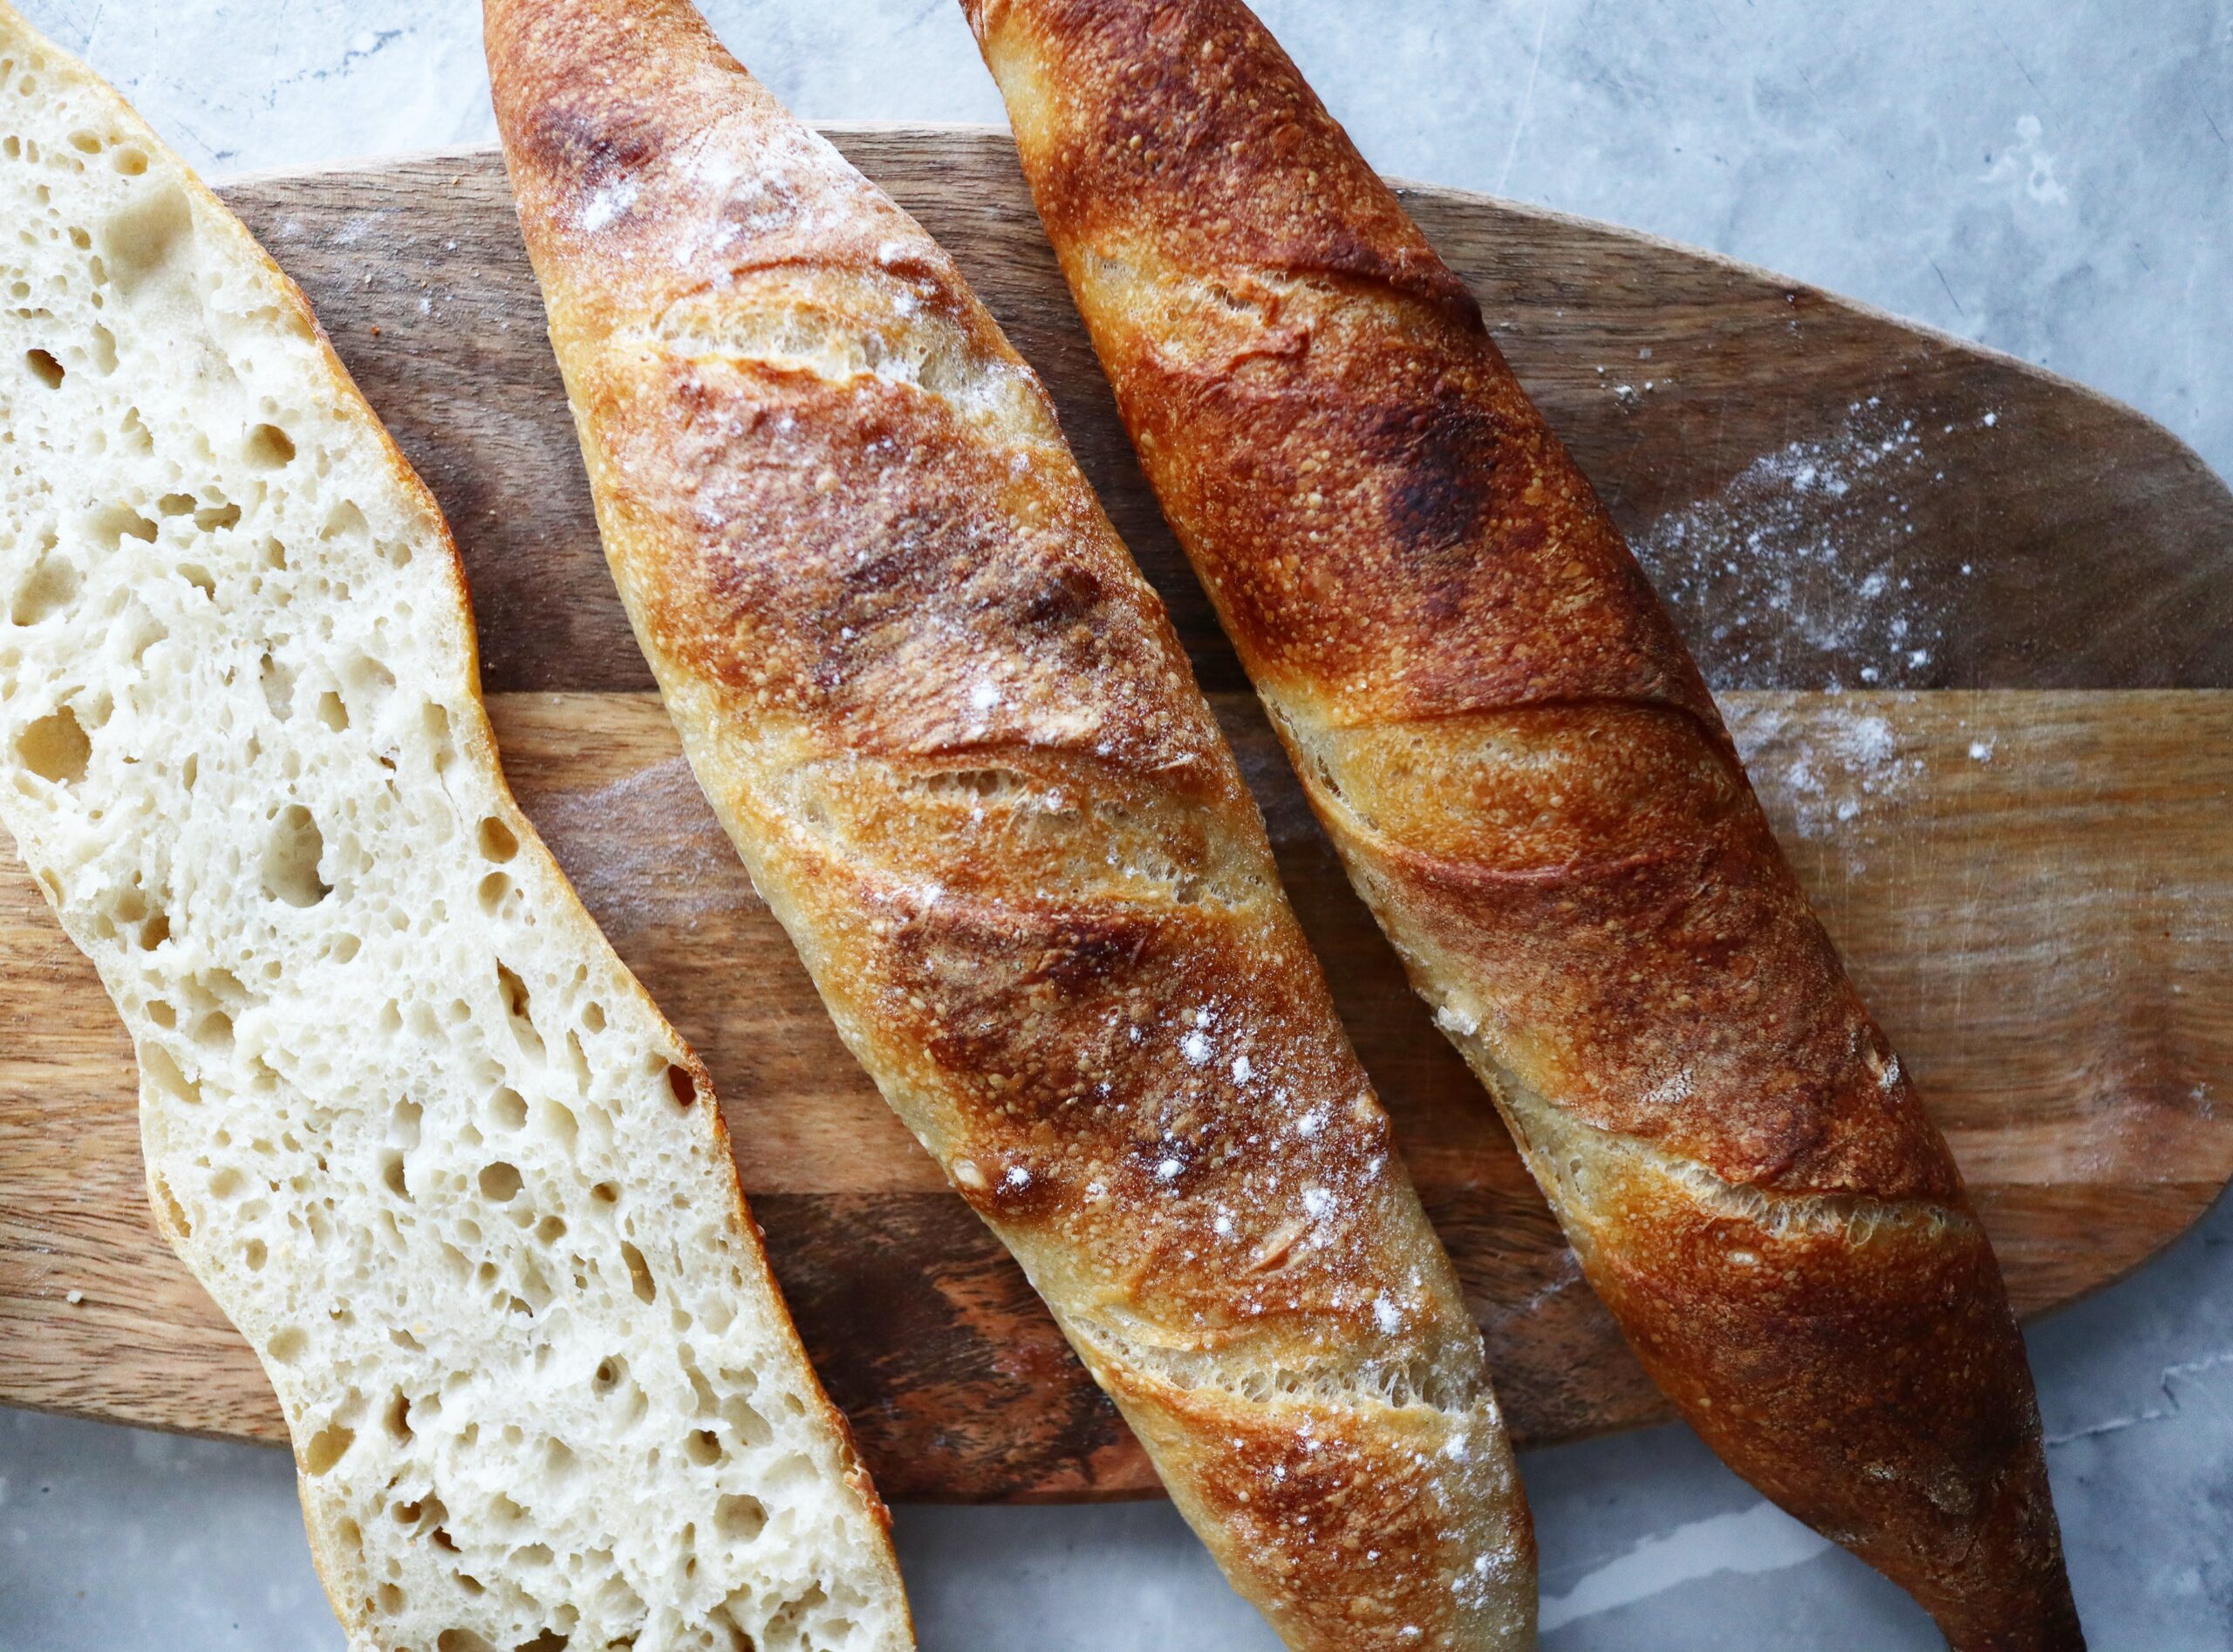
(405, 1113)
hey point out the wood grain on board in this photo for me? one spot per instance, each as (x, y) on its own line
(1963, 615)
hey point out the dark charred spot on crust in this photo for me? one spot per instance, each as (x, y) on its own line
(1010, 992)
(1374, 504)
(592, 141)
(1093, 951)
(1063, 610)
(1067, 597)
(1440, 488)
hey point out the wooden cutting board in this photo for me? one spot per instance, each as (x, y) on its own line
(1971, 627)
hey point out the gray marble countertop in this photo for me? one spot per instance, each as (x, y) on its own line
(2051, 177)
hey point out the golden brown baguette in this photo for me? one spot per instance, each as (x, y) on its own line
(953, 736)
(1529, 782)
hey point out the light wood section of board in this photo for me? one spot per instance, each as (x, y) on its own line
(2033, 888)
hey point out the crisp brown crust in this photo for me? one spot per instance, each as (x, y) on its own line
(955, 739)
(1524, 772)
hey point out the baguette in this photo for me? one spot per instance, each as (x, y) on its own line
(406, 1115)
(952, 734)
(1528, 782)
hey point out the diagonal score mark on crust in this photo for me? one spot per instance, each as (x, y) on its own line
(1194, 316)
(1563, 788)
(840, 323)
(1393, 1384)
(1061, 829)
(1558, 1147)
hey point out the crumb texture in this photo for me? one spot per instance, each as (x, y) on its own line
(405, 1115)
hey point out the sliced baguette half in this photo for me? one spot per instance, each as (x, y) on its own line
(405, 1113)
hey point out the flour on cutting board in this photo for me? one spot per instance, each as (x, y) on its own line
(1803, 569)
(1827, 772)
(644, 851)
(1806, 569)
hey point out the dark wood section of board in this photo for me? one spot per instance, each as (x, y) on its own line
(2099, 537)
(1970, 621)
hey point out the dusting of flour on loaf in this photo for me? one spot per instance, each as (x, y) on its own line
(610, 203)
(1802, 570)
